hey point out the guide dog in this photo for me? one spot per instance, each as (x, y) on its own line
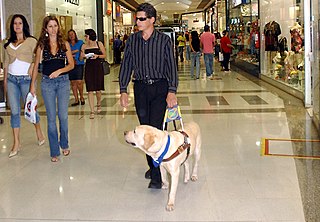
(170, 150)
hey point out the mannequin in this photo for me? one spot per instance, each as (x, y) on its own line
(271, 32)
(296, 37)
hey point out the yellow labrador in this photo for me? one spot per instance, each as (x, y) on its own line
(170, 155)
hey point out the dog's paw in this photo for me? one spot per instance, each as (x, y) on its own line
(194, 177)
(165, 186)
(170, 207)
(186, 180)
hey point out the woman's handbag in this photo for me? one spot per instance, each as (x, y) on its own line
(105, 64)
(106, 67)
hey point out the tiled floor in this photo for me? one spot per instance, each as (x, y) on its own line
(103, 178)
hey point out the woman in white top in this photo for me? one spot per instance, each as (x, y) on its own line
(18, 65)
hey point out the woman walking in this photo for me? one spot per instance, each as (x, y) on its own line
(17, 75)
(57, 61)
(195, 54)
(93, 51)
(76, 75)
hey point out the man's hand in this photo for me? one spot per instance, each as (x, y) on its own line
(124, 100)
(171, 100)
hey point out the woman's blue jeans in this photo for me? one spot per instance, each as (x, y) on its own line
(195, 59)
(56, 93)
(208, 60)
(18, 88)
(188, 52)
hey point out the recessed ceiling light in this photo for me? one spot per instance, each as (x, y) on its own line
(178, 2)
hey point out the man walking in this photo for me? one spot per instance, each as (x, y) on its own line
(149, 55)
(207, 42)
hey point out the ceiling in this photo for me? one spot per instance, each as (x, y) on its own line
(169, 7)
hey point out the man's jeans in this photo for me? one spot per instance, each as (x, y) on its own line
(208, 60)
(56, 92)
(195, 59)
(18, 88)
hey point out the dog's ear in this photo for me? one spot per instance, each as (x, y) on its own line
(148, 140)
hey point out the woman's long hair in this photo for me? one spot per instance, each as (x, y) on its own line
(43, 42)
(13, 34)
(76, 39)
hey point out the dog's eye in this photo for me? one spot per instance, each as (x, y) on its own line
(134, 131)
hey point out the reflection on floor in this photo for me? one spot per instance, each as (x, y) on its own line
(103, 178)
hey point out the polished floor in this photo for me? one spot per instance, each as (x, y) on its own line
(103, 178)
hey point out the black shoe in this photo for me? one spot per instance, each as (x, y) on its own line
(75, 104)
(153, 185)
(83, 102)
(147, 175)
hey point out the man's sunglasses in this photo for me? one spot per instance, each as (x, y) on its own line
(142, 18)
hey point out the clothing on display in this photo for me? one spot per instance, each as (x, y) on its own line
(296, 38)
(271, 31)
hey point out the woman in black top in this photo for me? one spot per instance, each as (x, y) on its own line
(195, 54)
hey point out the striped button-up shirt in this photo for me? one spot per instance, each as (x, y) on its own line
(149, 59)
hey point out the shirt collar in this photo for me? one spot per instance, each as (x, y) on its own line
(154, 34)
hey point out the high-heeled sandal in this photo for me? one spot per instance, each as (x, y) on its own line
(65, 152)
(91, 115)
(41, 142)
(98, 108)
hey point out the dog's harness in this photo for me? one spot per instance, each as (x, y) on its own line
(181, 148)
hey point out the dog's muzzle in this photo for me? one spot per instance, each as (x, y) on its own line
(125, 133)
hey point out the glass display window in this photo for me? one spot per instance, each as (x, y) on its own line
(282, 42)
(244, 31)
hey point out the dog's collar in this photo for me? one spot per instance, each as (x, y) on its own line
(157, 162)
(181, 148)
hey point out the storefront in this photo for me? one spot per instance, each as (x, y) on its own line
(78, 15)
(2, 29)
(193, 21)
(315, 64)
(244, 33)
(284, 46)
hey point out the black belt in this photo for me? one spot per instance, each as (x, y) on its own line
(149, 81)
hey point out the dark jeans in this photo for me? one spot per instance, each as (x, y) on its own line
(226, 59)
(150, 103)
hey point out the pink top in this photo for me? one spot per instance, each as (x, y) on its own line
(208, 41)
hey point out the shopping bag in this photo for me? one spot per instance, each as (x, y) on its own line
(30, 108)
(220, 56)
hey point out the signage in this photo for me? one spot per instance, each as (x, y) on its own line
(74, 2)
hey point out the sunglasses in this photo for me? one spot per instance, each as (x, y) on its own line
(142, 18)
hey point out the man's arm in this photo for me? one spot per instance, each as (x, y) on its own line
(125, 74)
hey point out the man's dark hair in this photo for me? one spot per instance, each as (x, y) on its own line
(206, 28)
(224, 32)
(148, 9)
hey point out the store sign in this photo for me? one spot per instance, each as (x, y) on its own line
(74, 2)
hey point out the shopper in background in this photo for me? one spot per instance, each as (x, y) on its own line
(76, 75)
(207, 42)
(155, 74)
(226, 48)
(188, 50)
(195, 54)
(117, 44)
(181, 44)
(94, 52)
(56, 57)
(18, 65)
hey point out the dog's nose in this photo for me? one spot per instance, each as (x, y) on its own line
(125, 132)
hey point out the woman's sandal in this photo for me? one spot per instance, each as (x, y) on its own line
(54, 159)
(66, 152)
(91, 115)
(98, 108)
